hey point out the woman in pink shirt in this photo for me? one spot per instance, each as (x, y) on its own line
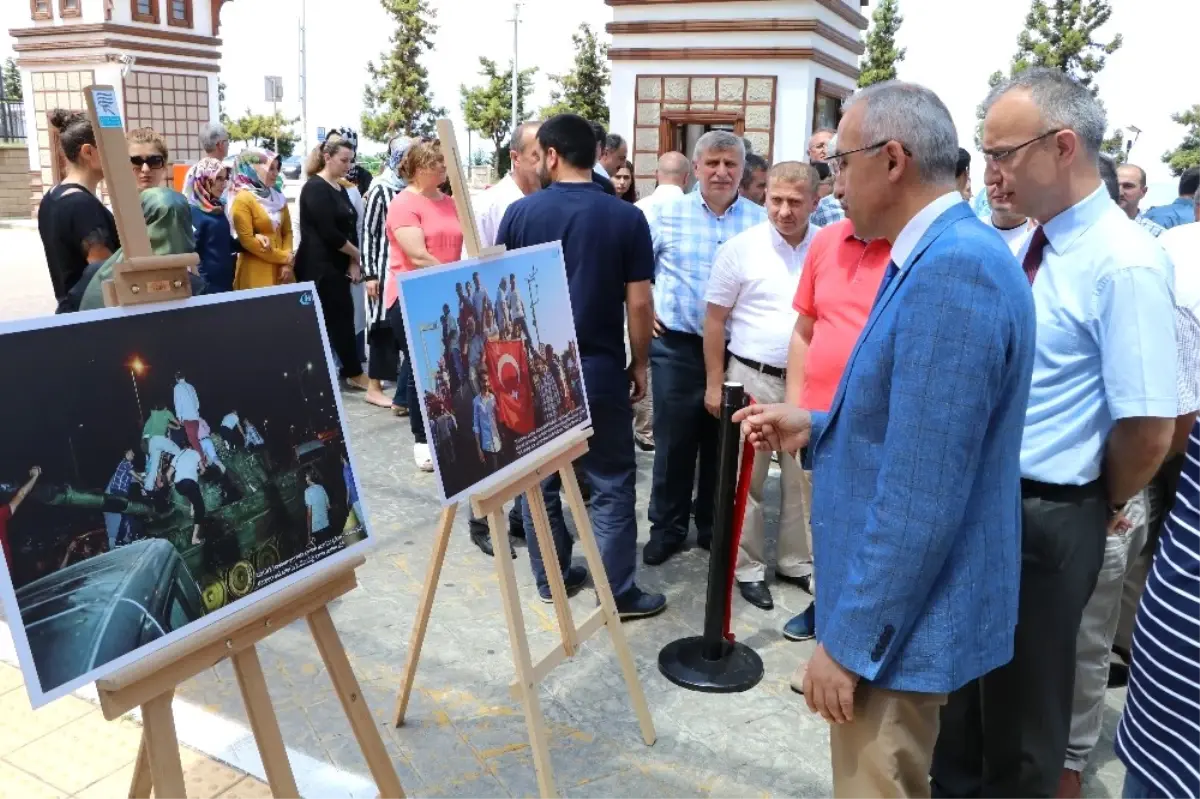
(422, 230)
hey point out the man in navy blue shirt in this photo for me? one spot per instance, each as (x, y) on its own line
(610, 261)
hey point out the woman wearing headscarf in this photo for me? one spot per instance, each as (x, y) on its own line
(382, 352)
(205, 193)
(168, 222)
(257, 208)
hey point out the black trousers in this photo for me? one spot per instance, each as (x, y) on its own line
(1005, 734)
(382, 353)
(416, 420)
(338, 309)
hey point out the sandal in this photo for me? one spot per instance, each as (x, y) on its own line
(399, 410)
(378, 403)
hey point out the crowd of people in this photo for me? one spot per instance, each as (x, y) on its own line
(983, 407)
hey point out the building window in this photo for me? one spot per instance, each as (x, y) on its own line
(69, 8)
(179, 13)
(827, 104)
(40, 9)
(144, 10)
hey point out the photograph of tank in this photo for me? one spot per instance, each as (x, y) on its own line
(163, 467)
(496, 363)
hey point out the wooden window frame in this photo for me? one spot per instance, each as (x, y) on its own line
(186, 22)
(35, 14)
(137, 16)
(669, 119)
(830, 91)
(66, 13)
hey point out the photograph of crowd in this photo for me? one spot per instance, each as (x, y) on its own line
(160, 469)
(496, 362)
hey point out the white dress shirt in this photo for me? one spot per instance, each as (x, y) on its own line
(663, 194)
(755, 275)
(492, 205)
(600, 170)
(187, 403)
(914, 231)
(187, 466)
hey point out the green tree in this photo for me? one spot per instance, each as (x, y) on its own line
(261, 130)
(882, 55)
(397, 98)
(221, 115)
(487, 108)
(1114, 146)
(12, 80)
(1061, 34)
(1187, 154)
(582, 90)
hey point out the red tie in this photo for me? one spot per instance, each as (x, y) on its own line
(1033, 256)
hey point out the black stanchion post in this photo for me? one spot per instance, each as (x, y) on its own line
(709, 662)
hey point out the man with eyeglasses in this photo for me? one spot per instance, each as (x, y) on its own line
(1101, 412)
(828, 210)
(915, 464)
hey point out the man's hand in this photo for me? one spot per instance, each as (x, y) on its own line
(637, 382)
(829, 688)
(480, 451)
(35, 472)
(658, 327)
(712, 400)
(775, 428)
(372, 288)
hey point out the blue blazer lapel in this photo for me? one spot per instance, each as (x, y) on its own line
(949, 217)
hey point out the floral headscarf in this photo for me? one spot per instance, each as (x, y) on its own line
(198, 186)
(246, 179)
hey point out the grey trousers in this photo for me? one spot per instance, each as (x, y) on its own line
(1093, 643)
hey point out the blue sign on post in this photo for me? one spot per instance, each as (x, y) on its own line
(320, 134)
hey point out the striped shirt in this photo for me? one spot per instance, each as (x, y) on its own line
(375, 248)
(1158, 738)
(686, 236)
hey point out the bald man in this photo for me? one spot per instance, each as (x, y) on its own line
(673, 174)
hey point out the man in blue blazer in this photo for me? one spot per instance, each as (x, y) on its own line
(916, 466)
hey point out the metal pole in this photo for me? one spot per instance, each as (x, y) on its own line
(733, 397)
(303, 79)
(515, 72)
(137, 397)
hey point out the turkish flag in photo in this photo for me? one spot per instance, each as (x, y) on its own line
(508, 371)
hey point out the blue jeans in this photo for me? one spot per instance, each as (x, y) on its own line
(1137, 788)
(611, 471)
(683, 431)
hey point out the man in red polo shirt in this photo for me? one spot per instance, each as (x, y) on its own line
(838, 285)
(9, 508)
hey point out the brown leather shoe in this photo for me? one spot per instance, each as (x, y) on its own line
(1070, 784)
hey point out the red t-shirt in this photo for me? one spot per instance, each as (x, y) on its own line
(437, 219)
(5, 515)
(838, 284)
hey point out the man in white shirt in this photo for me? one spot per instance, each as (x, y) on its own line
(1012, 226)
(611, 155)
(316, 500)
(750, 292)
(520, 181)
(187, 409)
(185, 473)
(673, 173)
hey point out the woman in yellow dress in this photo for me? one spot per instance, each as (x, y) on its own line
(257, 208)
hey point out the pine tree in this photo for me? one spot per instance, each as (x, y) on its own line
(397, 98)
(1114, 146)
(12, 80)
(582, 90)
(1061, 34)
(882, 55)
(1187, 154)
(487, 108)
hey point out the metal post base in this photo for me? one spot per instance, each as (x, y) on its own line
(738, 669)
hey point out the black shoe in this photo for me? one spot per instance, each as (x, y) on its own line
(644, 446)
(657, 551)
(483, 540)
(516, 531)
(757, 594)
(574, 579)
(804, 582)
(637, 604)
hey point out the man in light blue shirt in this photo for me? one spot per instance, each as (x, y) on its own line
(485, 425)
(1179, 212)
(1101, 413)
(686, 233)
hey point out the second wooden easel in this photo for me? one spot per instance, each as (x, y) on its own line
(143, 277)
(490, 503)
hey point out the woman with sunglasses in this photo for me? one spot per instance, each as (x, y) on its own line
(261, 222)
(75, 227)
(148, 157)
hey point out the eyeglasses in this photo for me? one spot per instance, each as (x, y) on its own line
(996, 156)
(152, 161)
(835, 160)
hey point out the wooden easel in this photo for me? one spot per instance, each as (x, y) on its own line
(143, 277)
(490, 503)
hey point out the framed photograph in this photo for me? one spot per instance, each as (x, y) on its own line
(162, 467)
(496, 363)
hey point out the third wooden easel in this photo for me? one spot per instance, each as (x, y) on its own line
(143, 277)
(490, 503)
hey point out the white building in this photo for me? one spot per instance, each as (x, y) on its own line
(771, 70)
(161, 55)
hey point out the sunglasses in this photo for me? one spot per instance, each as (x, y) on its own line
(152, 161)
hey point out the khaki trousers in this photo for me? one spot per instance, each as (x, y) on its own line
(794, 558)
(888, 748)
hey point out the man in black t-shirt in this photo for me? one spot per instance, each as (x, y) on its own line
(610, 261)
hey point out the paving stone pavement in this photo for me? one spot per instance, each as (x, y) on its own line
(465, 735)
